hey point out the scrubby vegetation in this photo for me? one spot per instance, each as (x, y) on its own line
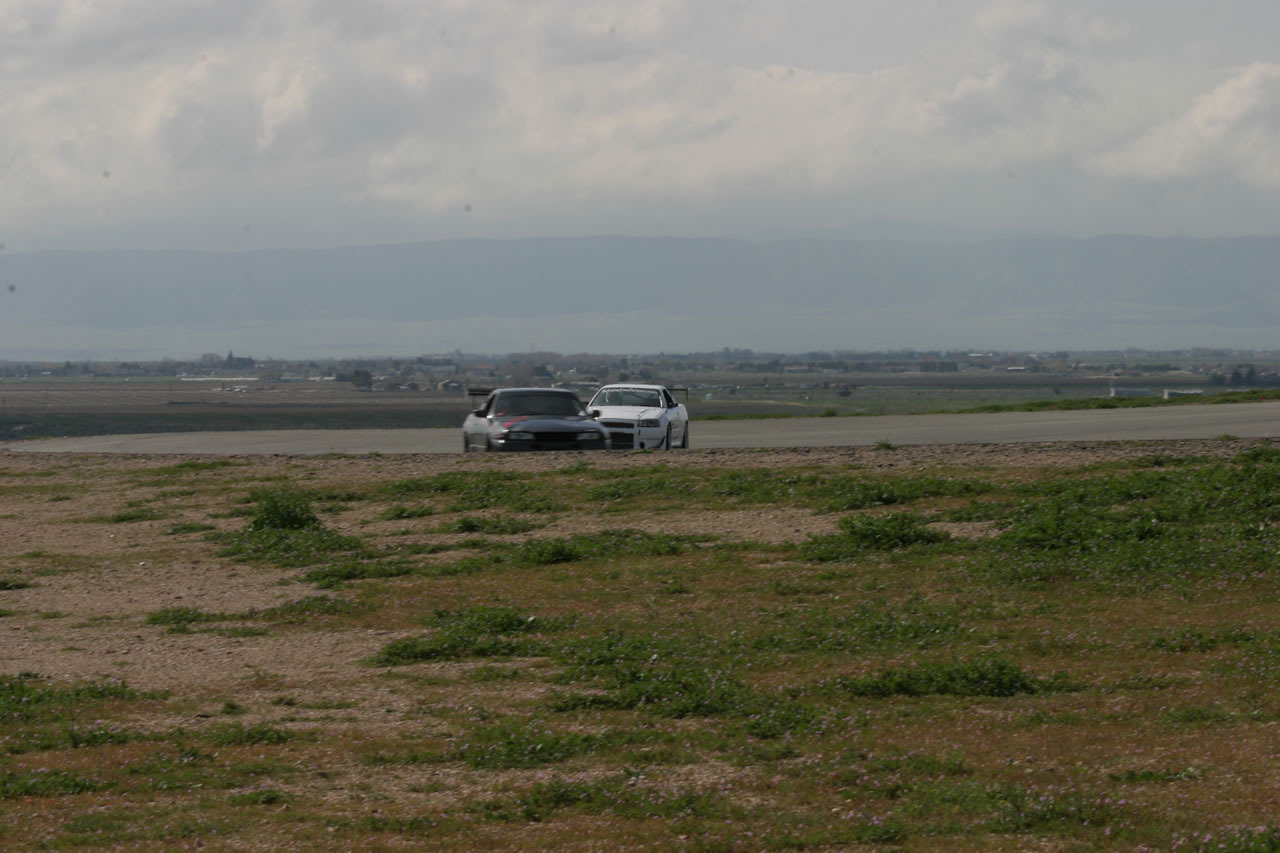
(1070, 658)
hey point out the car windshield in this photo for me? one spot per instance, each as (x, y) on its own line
(563, 405)
(645, 397)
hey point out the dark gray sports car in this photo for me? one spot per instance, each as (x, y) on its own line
(532, 419)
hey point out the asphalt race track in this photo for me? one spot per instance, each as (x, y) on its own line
(1243, 420)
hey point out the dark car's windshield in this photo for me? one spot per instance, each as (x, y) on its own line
(533, 403)
(627, 397)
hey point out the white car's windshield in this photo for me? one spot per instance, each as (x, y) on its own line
(644, 397)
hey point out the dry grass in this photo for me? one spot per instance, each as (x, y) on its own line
(716, 719)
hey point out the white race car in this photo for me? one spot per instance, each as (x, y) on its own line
(641, 417)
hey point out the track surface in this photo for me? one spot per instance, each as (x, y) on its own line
(1245, 420)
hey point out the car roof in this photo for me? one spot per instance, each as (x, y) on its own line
(630, 387)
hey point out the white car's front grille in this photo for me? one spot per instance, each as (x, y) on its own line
(622, 434)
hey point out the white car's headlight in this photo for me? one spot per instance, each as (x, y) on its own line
(649, 422)
(520, 436)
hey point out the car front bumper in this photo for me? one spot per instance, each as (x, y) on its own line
(548, 441)
(626, 435)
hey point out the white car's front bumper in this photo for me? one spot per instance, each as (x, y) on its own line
(628, 435)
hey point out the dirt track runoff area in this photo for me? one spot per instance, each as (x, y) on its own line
(1053, 646)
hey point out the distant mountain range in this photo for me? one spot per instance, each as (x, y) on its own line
(635, 294)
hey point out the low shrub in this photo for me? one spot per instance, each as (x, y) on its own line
(284, 507)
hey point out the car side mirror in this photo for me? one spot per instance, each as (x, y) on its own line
(595, 413)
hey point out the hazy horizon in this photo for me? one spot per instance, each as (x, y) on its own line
(634, 294)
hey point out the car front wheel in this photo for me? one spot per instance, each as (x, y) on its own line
(684, 439)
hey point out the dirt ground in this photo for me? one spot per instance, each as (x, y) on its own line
(93, 582)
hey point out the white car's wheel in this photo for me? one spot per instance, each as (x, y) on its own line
(666, 442)
(684, 439)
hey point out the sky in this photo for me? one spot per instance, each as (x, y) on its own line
(248, 124)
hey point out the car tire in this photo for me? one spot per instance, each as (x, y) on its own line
(684, 439)
(666, 443)
(466, 444)
(488, 446)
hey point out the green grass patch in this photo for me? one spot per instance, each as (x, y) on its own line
(472, 490)
(497, 525)
(400, 512)
(673, 677)
(189, 527)
(287, 548)
(27, 698)
(878, 532)
(183, 616)
(194, 466)
(43, 783)
(284, 507)
(515, 744)
(237, 734)
(1020, 809)
(129, 516)
(475, 632)
(618, 797)
(863, 627)
(984, 676)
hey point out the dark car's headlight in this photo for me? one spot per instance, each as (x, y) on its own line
(649, 422)
(589, 436)
(520, 436)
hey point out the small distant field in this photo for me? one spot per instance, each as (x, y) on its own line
(1074, 648)
(881, 399)
(40, 409)
(53, 407)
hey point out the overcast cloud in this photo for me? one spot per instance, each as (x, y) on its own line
(261, 123)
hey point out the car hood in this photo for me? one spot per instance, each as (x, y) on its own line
(628, 413)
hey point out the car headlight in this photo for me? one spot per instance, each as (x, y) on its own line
(589, 436)
(520, 436)
(649, 422)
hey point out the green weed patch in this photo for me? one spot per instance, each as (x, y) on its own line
(474, 490)
(43, 783)
(476, 632)
(27, 698)
(986, 676)
(189, 527)
(879, 532)
(864, 627)
(617, 797)
(497, 525)
(515, 744)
